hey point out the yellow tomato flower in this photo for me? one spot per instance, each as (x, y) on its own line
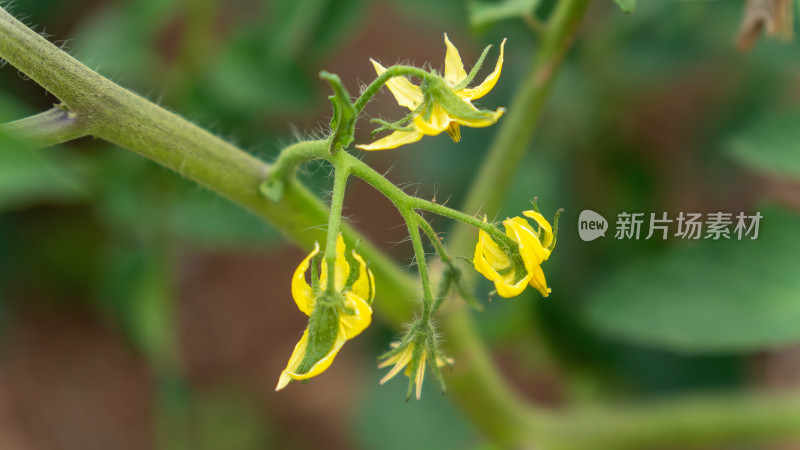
(346, 319)
(401, 361)
(445, 113)
(511, 272)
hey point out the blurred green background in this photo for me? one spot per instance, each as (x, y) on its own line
(140, 311)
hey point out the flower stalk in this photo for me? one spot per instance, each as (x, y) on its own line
(422, 266)
(334, 221)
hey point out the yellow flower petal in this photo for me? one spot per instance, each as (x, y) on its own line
(507, 289)
(406, 93)
(495, 256)
(364, 286)
(487, 85)
(353, 324)
(539, 219)
(321, 365)
(444, 361)
(438, 122)
(547, 237)
(371, 297)
(301, 291)
(538, 282)
(393, 140)
(504, 284)
(454, 72)
(400, 361)
(342, 269)
(479, 260)
(530, 248)
(420, 375)
(294, 362)
(391, 360)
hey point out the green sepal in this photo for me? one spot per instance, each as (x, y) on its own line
(453, 105)
(407, 338)
(395, 126)
(355, 269)
(323, 328)
(434, 357)
(467, 260)
(535, 204)
(315, 266)
(555, 229)
(474, 72)
(343, 122)
(541, 232)
(517, 263)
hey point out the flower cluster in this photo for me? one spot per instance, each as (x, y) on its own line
(438, 104)
(338, 298)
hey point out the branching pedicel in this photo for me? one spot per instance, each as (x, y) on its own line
(339, 297)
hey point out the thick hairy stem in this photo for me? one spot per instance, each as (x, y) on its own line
(105, 110)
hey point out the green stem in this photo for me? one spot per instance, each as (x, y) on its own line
(405, 201)
(284, 168)
(334, 221)
(442, 252)
(391, 72)
(294, 155)
(305, 151)
(419, 253)
(434, 238)
(108, 111)
(459, 216)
